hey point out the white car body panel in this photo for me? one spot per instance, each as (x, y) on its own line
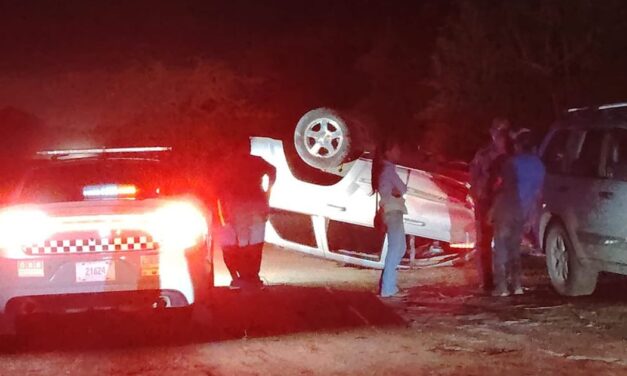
(432, 214)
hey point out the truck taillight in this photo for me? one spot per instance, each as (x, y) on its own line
(23, 226)
(179, 224)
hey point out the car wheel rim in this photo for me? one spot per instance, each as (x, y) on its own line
(324, 138)
(560, 258)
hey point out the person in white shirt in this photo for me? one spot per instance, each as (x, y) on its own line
(389, 186)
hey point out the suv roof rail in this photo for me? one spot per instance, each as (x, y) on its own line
(609, 106)
(612, 106)
(600, 113)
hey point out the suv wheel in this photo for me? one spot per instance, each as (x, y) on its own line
(322, 139)
(568, 274)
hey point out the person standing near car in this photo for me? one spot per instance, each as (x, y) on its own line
(484, 171)
(389, 186)
(519, 195)
(243, 209)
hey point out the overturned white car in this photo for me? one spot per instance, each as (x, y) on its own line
(331, 215)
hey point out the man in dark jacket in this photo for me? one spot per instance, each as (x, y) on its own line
(484, 176)
(243, 210)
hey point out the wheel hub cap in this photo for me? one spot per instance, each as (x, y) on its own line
(323, 138)
(560, 258)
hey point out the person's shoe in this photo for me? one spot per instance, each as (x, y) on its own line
(235, 284)
(500, 293)
(257, 283)
(397, 294)
(519, 291)
(251, 283)
(402, 294)
(388, 294)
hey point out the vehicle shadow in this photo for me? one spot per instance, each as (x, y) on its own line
(272, 311)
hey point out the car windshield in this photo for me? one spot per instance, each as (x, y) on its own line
(93, 179)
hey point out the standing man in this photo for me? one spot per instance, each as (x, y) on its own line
(519, 195)
(484, 170)
(243, 210)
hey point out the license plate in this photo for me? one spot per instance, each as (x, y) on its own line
(95, 271)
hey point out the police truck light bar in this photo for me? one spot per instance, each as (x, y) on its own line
(109, 191)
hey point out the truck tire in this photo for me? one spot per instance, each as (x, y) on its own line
(8, 333)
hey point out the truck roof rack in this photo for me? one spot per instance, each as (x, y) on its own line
(101, 151)
(56, 154)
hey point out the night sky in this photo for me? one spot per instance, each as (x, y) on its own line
(315, 51)
(39, 35)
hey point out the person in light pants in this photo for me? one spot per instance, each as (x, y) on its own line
(387, 183)
(396, 250)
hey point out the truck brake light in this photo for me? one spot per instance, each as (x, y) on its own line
(22, 226)
(179, 224)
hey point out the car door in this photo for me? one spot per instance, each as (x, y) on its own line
(353, 195)
(573, 185)
(605, 204)
(292, 194)
(554, 155)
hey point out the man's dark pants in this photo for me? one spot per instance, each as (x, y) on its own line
(485, 234)
(243, 263)
(508, 230)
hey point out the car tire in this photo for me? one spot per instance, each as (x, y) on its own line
(322, 139)
(201, 311)
(569, 275)
(8, 333)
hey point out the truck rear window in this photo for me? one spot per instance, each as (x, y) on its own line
(64, 182)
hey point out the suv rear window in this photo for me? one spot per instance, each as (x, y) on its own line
(65, 181)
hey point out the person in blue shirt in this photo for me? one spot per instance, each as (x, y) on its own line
(522, 179)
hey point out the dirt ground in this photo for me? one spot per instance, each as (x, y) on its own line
(316, 317)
